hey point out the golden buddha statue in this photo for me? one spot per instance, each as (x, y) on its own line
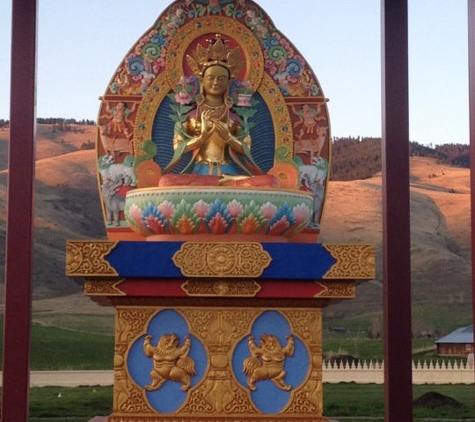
(220, 148)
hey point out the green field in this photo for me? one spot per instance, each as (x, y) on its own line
(76, 349)
(346, 401)
(72, 350)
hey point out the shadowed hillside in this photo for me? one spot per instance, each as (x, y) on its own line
(357, 158)
(440, 239)
(67, 207)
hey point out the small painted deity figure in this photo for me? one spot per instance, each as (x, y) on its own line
(170, 361)
(212, 132)
(308, 117)
(267, 361)
(118, 119)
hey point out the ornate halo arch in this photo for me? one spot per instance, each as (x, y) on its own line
(196, 32)
(182, 43)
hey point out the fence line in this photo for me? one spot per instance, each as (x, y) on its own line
(423, 372)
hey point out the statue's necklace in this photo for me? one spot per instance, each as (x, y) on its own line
(217, 112)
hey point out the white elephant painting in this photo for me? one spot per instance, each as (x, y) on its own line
(313, 178)
(118, 179)
(113, 202)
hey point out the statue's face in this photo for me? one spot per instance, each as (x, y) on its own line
(215, 80)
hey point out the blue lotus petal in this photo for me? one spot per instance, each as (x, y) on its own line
(284, 210)
(152, 210)
(218, 207)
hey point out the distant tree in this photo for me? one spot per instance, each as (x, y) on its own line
(62, 121)
(88, 145)
(360, 157)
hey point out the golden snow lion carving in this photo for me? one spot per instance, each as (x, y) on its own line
(170, 362)
(267, 361)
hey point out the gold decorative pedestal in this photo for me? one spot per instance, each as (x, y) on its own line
(219, 390)
(207, 342)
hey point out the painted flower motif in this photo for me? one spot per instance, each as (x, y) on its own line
(213, 3)
(153, 219)
(301, 213)
(158, 64)
(285, 43)
(155, 225)
(201, 208)
(268, 210)
(184, 219)
(138, 50)
(279, 227)
(270, 66)
(281, 221)
(250, 225)
(218, 218)
(185, 226)
(183, 97)
(167, 209)
(218, 224)
(235, 208)
(135, 214)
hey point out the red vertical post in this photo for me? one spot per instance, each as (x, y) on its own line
(19, 241)
(471, 106)
(396, 213)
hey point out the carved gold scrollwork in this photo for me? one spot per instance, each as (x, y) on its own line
(128, 397)
(353, 261)
(87, 258)
(223, 259)
(337, 289)
(231, 288)
(103, 288)
(124, 389)
(219, 397)
(219, 393)
(307, 324)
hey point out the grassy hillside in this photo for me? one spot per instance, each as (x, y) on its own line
(360, 157)
(440, 251)
(67, 207)
(66, 204)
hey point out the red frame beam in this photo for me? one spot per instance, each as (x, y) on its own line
(471, 107)
(19, 241)
(396, 213)
(396, 208)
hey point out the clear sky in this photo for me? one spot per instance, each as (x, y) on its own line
(339, 38)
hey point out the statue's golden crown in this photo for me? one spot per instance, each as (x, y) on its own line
(216, 54)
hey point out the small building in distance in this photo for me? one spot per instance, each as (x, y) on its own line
(457, 343)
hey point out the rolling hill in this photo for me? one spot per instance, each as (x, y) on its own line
(67, 207)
